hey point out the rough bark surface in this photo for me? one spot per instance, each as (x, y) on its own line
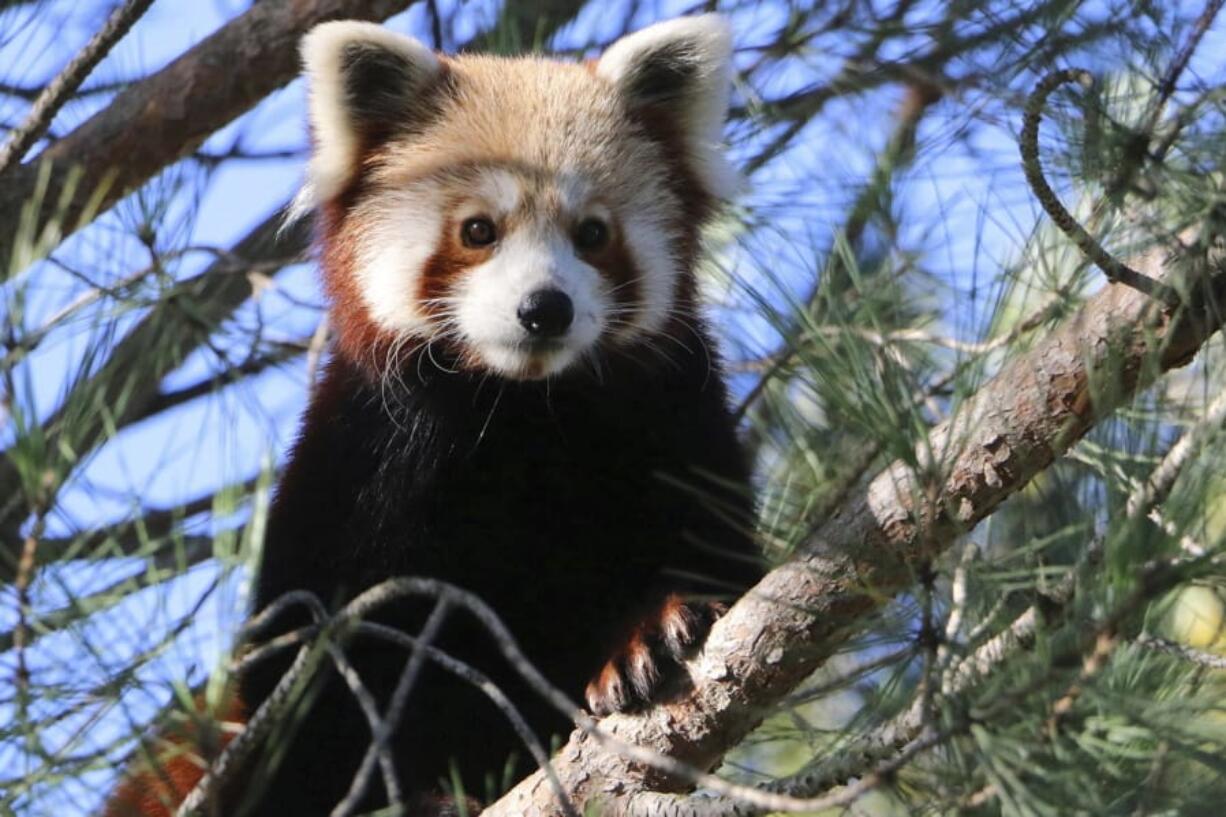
(166, 116)
(867, 551)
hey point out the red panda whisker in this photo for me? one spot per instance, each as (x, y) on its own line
(489, 417)
(434, 360)
(638, 279)
(592, 360)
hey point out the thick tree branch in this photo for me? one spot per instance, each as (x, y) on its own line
(166, 116)
(866, 552)
(855, 757)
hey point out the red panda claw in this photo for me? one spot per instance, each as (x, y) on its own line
(652, 656)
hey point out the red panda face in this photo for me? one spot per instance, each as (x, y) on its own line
(512, 217)
(519, 272)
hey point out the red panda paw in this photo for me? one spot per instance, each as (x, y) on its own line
(651, 656)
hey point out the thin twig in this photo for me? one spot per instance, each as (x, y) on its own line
(957, 601)
(845, 678)
(25, 574)
(479, 680)
(378, 748)
(1106, 639)
(228, 263)
(650, 803)
(1115, 270)
(1166, 88)
(1199, 657)
(349, 620)
(395, 710)
(231, 758)
(1149, 493)
(436, 25)
(67, 81)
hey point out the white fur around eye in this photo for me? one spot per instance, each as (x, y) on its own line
(400, 233)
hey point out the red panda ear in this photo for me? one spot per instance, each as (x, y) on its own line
(365, 84)
(681, 69)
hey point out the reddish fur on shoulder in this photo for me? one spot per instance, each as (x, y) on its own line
(175, 760)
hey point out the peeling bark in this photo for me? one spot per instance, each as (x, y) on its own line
(865, 553)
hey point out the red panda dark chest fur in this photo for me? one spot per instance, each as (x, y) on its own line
(572, 509)
(522, 401)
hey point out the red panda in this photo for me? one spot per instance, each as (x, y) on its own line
(522, 398)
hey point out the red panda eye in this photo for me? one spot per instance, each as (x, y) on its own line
(478, 232)
(592, 234)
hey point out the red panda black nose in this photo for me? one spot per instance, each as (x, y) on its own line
(546, 313)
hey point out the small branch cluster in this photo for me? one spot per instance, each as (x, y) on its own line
(329, 633)
(1116, 271)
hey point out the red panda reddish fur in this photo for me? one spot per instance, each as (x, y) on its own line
(181, 754)
(604, 512)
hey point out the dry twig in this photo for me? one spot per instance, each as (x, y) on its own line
(1116, 271)
(58, 91)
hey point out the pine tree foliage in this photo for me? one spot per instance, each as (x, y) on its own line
(1066, 655)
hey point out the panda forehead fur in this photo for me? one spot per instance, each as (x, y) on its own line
(589, 180)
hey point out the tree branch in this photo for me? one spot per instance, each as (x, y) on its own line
(1116, 272)
(67, 81)
(1199, 657)
(166, 116)
(866, 552)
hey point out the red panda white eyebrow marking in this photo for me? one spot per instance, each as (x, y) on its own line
(499, 188)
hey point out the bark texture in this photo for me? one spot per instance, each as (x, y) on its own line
(867, 551)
